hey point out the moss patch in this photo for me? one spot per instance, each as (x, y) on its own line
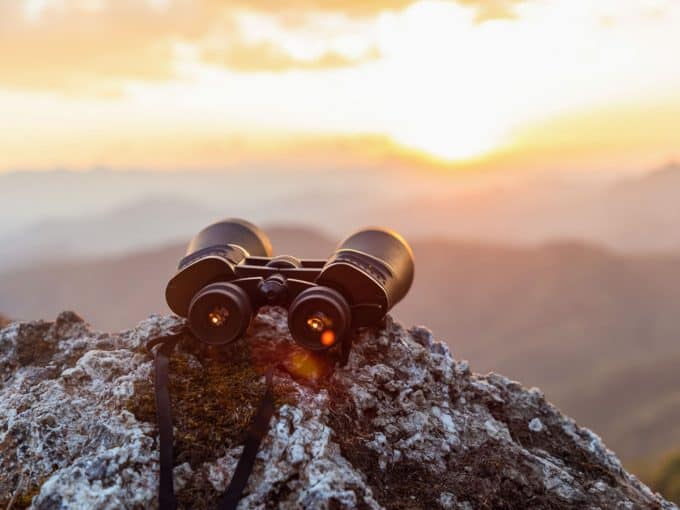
(212, 406)
(31, 347)
(557, 443)
(22, 500)
(661, 474)
(475, 476)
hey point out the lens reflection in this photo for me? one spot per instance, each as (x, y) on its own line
(318, 321)
(218, 316)
(328, 338)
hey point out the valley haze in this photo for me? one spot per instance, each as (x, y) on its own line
(100, 212)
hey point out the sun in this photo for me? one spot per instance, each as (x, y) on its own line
(454, 137)
(450, 146)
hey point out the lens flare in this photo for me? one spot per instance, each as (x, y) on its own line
(315, 323)
(318, 322)
(218, 316)
(328, 338)
(305, 365)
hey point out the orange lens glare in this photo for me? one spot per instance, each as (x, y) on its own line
(328, 338)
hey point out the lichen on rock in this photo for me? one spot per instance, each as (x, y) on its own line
(403, 425)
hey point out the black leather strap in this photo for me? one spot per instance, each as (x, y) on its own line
(166, 490)
(257, 431)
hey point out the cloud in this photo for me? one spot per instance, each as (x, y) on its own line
(71, 47)
(487, 9)
(492, 9)
(268, 57)
(94, 46)
(442, 83)
(85, 45)
(74, 61)
(357, 8)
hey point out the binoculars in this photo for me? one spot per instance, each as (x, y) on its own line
(229, 272)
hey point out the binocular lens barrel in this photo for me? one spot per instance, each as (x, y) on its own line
(233, 231)
(374, 268)
(220, 313)
(318, 318)
(212, 256)
(390, 249)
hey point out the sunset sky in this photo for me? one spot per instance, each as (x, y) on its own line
(574, 84)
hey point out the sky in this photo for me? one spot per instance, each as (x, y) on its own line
(456, 84)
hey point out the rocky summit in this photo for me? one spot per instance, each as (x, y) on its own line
(402, 425)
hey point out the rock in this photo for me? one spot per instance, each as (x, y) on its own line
(403, 425)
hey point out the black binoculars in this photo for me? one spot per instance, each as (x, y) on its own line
(229, 272)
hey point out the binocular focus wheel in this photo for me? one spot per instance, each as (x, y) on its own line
(220, 313)
(319, 318)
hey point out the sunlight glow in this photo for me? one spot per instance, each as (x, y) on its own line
(430, 76)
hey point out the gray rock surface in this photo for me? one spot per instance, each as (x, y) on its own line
(403, 425)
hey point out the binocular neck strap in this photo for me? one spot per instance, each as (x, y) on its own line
(166, 490)
(258, 429)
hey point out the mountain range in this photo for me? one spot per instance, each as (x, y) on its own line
(45, 216)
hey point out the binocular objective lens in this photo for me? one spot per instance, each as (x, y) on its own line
(218, 316)
(220, 313)
(318, 318)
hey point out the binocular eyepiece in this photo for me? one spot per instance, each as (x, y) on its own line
(229, 272)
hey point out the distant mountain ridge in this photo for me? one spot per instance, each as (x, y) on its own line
(665, 175)
(108, 211)
(113, 232)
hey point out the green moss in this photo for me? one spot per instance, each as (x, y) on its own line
(25, 499)
(475, 476)
(662, 474)
(667, 478)
(212, 407)
(22, 500)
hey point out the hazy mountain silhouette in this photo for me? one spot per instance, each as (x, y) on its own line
(644, 211)
(263, 195)
(595, 330)
(631, 215)
(136, 225)
(103, 212)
